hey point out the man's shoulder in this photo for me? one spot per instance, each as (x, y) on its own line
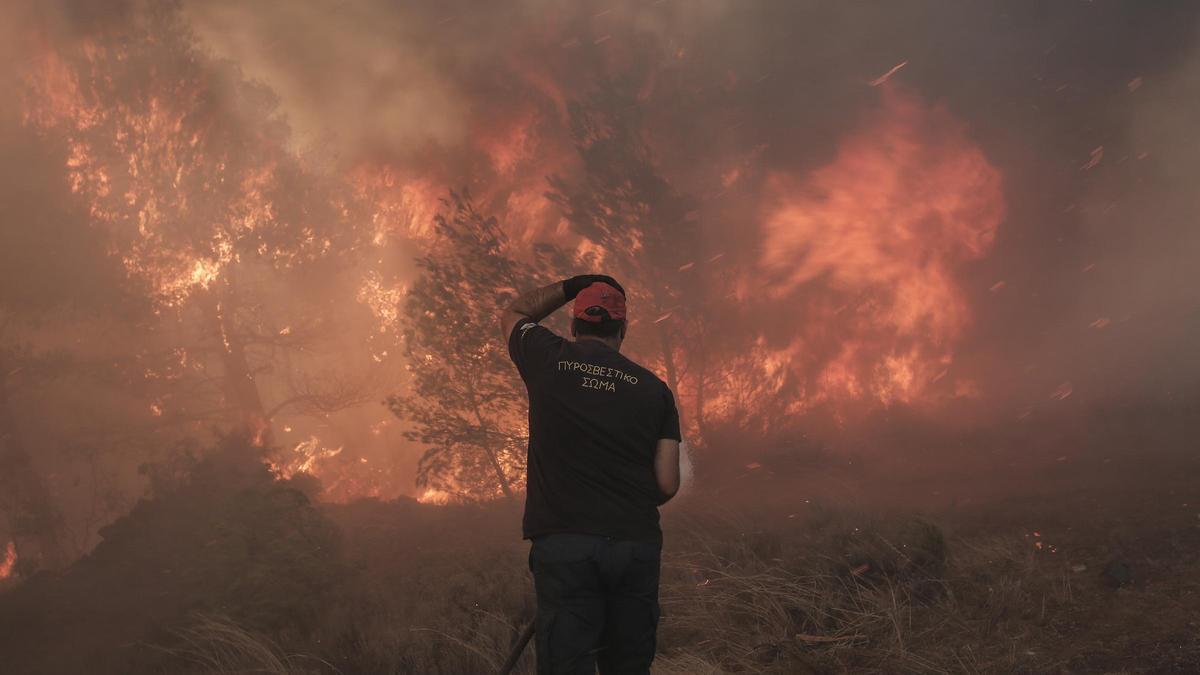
(531, 344)
(526, 328)
(523, 326)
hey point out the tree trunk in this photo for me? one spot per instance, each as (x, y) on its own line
(664, 341)
(505, 487)
(701, 390)
(657, 289)
(241, 389)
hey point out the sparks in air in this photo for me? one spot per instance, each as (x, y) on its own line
(888, 75)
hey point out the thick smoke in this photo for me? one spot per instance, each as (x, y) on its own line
(774, 87)
(1085, 290)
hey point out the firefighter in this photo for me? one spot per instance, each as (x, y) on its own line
(603, 456)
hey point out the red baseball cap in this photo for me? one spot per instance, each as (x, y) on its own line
(601, 296)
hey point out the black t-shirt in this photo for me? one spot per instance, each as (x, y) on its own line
(595, 418)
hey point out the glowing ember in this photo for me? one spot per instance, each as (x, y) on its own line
(383, 301)
(432, 496)
(304, 457)
(9, 563)
(888, 75)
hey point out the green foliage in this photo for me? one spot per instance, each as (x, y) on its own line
(465, 401)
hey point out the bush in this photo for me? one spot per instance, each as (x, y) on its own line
(227, 540)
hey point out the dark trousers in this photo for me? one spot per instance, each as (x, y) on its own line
(597, 603)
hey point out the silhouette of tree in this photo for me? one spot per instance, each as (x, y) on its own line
(464, 402)
(645, 227)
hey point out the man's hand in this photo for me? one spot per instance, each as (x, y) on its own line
(666, 468)
(572, 286)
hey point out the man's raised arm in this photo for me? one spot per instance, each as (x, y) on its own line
(532, 305)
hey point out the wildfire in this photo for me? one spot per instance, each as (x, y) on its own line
(9, 563)
(304, 457)
(883, 229)
(511, 144)
(383, 301)
(183, 200)
(432, 496)
(402, 206)
(192, 198)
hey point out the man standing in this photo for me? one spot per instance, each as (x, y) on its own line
(603, 456)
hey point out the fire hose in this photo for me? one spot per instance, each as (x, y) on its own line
(518, 649)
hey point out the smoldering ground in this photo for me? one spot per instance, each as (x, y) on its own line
(894, 255)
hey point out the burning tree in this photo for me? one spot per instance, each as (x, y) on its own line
(464, 401)
(645, 229)
(187, 168)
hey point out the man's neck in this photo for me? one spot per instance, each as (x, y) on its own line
(612, 343)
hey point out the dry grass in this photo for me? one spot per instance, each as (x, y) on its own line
(216, 645)
(830, 591)
(1012, 584)
(833, 592)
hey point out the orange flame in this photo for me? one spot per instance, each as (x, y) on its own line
(135, 176)
(304, 457)
(383, 300)
(432, 496)
(10, 561)
(883, 228)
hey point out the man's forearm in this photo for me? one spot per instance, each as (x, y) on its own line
(540, 302)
